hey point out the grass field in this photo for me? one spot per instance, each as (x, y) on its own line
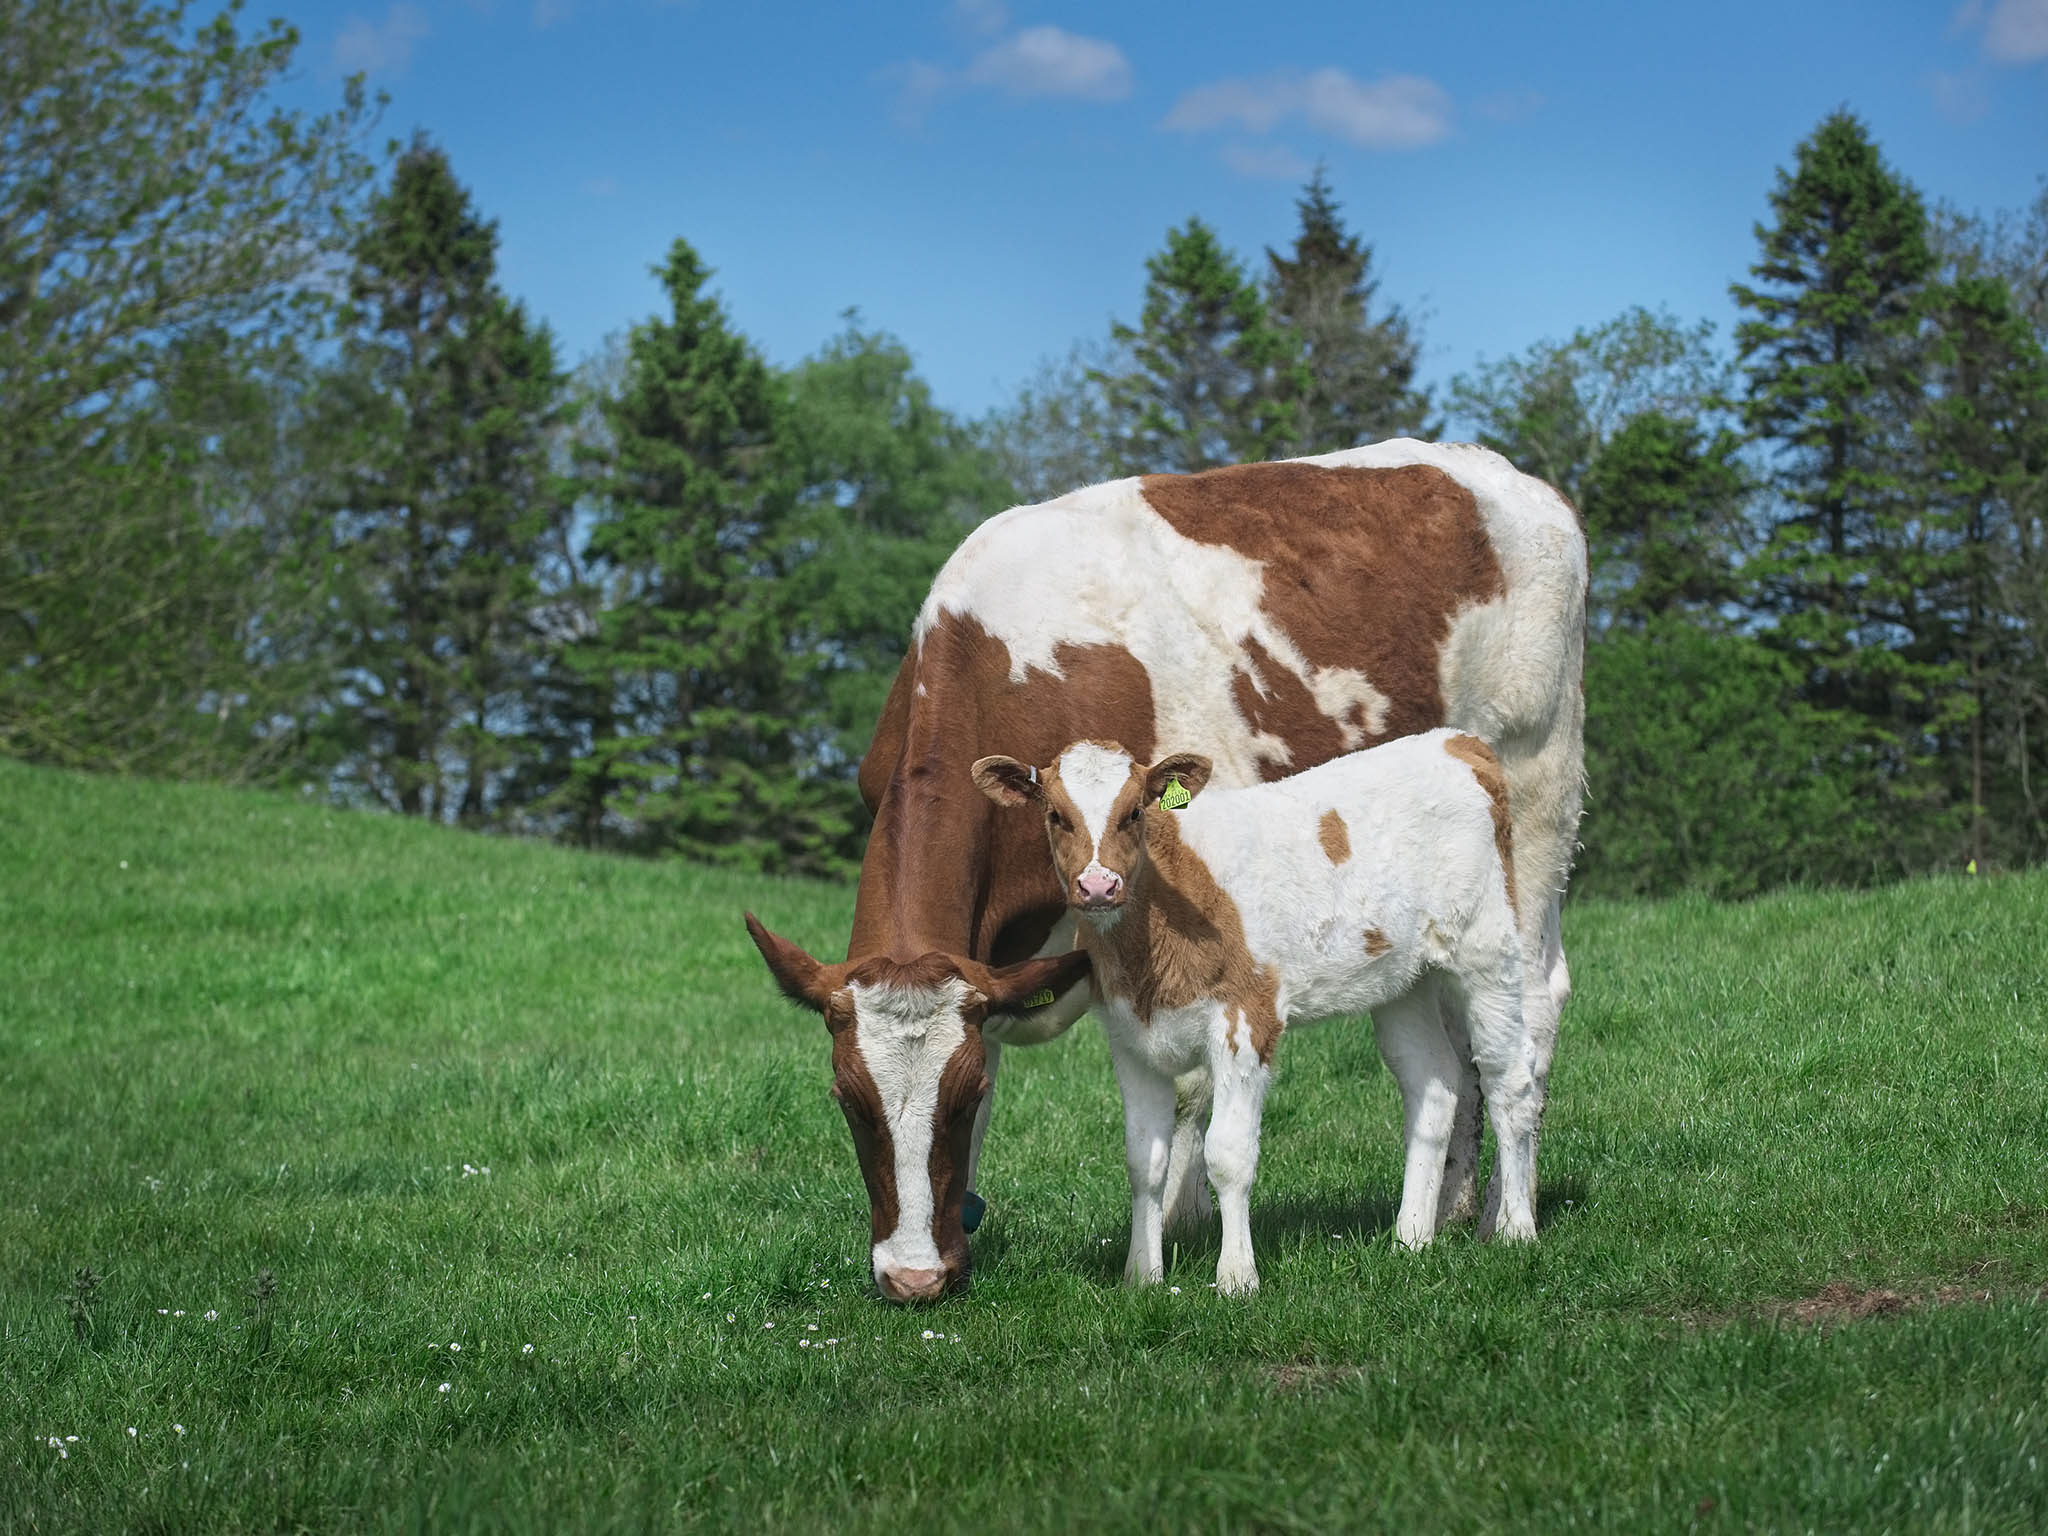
(449, 1091)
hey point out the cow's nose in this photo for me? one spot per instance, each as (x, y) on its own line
(910, 1285)
(1099, 887)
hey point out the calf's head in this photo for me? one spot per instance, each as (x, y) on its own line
(909, 1072)
(1096, 799)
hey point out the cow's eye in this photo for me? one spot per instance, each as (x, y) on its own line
(1056, 821)
(1137, 811)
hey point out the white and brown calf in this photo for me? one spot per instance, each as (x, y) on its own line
(1379, 882)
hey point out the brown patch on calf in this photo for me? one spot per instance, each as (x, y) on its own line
(1478, 756)
(1409, 542)
(1334, 836)
(1181, 937)
(1376, 943)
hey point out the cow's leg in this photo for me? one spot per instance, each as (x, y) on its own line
(1459, 1200)
(1504, 1047)
(1148, 1132)
(1418, 1051)
(973, 1208)
(1232, 1145)
(1188, 1207)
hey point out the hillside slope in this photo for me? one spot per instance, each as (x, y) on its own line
(456, 1091)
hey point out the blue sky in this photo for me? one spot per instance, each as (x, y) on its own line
(986, 178)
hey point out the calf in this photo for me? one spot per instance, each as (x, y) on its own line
(1382, 881)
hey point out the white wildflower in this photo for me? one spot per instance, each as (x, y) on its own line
(927, 1333)
(454, 1348)
(131, 1431)
(803, 1343)
(707, 1295)
(728, 1317)
(447, 1386)
(179, 1428)
(212, 1315)
(527, 1350)
(812, 1326)
(1173, 1290)
(767, 1325)
(179, 1313)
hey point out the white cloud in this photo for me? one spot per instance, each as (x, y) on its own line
(1271, 162)
(1393, 112)
(2015, 31)
(1047, 61)
(380, 49)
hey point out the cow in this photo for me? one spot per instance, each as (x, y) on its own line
(1276, 614)
(1379, 882)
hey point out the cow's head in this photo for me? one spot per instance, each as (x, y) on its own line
(1095, 797)
(909, 1072)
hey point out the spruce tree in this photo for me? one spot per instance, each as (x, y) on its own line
(1355, 379)
(448, 395)
(703, 744)
(1831, 370)
(1984, 436)
(1210, 373)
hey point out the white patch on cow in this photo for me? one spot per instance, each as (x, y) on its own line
(1099, 566)
(906, 1035)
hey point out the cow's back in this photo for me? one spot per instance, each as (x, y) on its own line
(1271, 616)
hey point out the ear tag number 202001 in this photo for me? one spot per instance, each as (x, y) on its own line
(1175, 795)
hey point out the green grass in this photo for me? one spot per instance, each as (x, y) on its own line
(239, 1033)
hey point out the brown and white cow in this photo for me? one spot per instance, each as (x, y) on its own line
(1270, 615)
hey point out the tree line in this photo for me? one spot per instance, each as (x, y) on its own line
(293, 493)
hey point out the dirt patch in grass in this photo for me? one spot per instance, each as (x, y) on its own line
(1841, 1302)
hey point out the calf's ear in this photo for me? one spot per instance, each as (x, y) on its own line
(1007, 781)
(802, 979)
(1016, 988)
(1191, 769)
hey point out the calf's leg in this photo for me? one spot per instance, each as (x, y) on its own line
(1240, 1079)
(1148, 1132)
(1188, 1207)
(1417, 1049)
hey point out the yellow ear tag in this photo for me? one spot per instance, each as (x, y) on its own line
(1175, 795)
(1042, 998)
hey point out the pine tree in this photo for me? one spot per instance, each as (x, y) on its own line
(1210, 373)
(702, 745)
(1833, 364)
(1356, 377)
(1985, 439)
(448, 395)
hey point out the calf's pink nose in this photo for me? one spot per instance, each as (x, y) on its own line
(1099, 885)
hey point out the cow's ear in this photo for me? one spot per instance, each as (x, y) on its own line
(802, 979)
(1189, 769)
(1018, 988)
(1007, 781)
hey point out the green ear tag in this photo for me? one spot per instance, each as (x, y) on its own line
(1040, 999)
(1175, 795)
